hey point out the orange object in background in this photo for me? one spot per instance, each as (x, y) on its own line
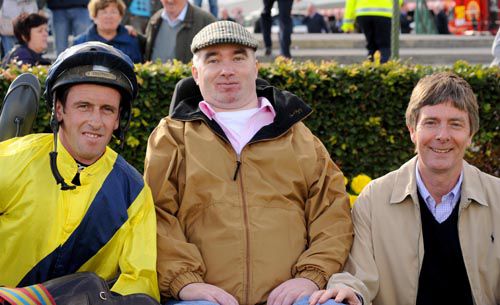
(473, 15)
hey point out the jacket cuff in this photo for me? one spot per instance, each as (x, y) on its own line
(183, 280)
(340, 285)
(316, 276)
(360, 298)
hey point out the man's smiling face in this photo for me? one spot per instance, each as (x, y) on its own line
(226, 76)
(441, 136)
(88, 119)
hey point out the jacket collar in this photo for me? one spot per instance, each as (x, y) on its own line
(472, 188)
(155, 20)
(406, 184)
(289, 109)
(189, 19)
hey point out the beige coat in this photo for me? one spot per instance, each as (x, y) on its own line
(388, 247)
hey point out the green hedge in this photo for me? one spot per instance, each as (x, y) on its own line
(358, 109)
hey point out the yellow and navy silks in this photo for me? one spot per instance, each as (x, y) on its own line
(106, 225)
(355, 8)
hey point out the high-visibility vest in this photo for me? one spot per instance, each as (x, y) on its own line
(355, 8)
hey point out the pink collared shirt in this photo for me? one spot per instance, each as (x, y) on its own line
(240, 126)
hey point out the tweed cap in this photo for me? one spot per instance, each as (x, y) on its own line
(223, 32)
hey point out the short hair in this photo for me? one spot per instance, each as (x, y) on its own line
(96, 5)
(62, 95)
(24, 23)
(440, 88)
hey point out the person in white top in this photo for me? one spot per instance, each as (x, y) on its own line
(495, 50)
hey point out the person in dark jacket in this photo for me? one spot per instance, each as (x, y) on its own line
(314, 21)
(285, 24)
(171, 30)
(107, 16)
(69, 17)
(32, 33)
(441, 19)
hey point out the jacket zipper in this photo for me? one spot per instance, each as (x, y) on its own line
(238, 164)
(247, 230)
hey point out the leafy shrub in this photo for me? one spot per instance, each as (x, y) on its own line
(358, 109)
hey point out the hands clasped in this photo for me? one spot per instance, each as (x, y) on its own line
(291, 291)
(285, 294)
(203, 291)
(339, 293)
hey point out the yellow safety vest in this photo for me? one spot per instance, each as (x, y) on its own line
(355, 8)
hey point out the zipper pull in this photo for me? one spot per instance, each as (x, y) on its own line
(238, 163)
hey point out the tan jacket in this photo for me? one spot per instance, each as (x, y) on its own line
(284, 214)
(388, 248)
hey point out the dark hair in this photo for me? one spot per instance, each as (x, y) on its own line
(24, 23)
(62, 94)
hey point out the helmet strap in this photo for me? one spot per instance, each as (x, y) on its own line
(54, 124)
(122, 139)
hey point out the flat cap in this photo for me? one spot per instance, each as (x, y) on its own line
(223, 32)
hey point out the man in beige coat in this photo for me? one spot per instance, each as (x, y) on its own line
(425, 233)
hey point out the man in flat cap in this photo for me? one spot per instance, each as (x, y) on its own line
(250, 208)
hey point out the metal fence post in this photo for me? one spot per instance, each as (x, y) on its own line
(395, 30)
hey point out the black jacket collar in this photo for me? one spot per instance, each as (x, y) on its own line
(289, 109)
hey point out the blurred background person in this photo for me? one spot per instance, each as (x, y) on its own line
(107, 16)
(495, 50)
(171, 30)
(441, 18)
(331, 21)
(285, 22)
(69, 17)
(138, 13)
(237, 13)
(9, 10)
(214, 7)
(339, 18)
(405, 19)
(31, 31)
(314, 21)
(224, 15)
(374, 19)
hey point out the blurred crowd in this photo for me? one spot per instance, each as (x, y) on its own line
(133, 26)
(142, 29)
